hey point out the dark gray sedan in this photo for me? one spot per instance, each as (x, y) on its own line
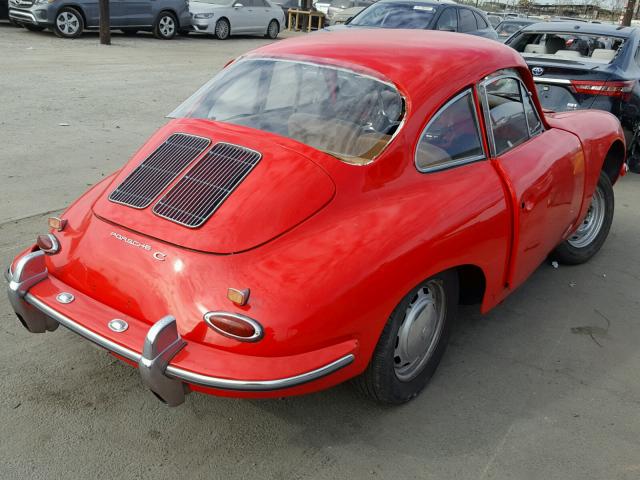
(423, 14)
(69, 18)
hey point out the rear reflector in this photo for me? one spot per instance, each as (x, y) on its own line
(609, 89)
(234, 325)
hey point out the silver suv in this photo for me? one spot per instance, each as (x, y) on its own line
(69, 18)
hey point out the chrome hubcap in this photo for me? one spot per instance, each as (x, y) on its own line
(592, 223)
(68, 23)
(222, 29)
(167, 26)
(420, 331)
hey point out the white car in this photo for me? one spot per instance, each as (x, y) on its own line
(236, 17)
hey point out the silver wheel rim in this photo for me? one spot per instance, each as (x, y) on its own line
(167, 26)
(222, 30)
(420, 331)
(592, 223)
(273, 29)
(68, 23)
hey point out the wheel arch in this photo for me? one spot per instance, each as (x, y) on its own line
(77, 8)
(172, 12)
(472, 284)
(613, 160)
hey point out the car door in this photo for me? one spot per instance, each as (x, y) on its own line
(543, 171)
(448, 20)
(240, 16)
(263, 14)
(136, 13)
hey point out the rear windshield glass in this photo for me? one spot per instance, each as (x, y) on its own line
(396, 15)
(346, 114)
(580, 48)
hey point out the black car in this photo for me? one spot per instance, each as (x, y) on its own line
(585, 65)
(509, 26)
(417, 14)
(4, 9)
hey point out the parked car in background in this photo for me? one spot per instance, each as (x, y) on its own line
(322, 6)
(494, 20)
(4, 9)
(69, 18)
(342, 17)
(317, 211)
(421, 14)
(339, 6)
(224, 18)
(579, 66)
(509, 26)
(285, 5)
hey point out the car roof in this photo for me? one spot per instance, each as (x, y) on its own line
(519, 20)
(419, 62)
(582, 27)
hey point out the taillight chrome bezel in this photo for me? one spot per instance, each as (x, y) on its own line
(55, 244)
(258, 331)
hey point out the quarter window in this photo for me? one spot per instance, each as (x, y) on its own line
(467, 21)
(452, 137)
(535, 125)
(448, 21)
(481, 21)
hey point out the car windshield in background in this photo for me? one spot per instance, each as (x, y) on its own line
(395, 15)
(581, 48)
(348, 115)
(343, 3)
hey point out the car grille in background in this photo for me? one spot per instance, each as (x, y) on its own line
(158, 170)
(207, 185)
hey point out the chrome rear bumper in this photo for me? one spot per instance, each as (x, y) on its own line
(161, 344)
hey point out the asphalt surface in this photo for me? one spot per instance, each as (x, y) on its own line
(546, 386)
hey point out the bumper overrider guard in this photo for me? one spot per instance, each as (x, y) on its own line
(161, 344)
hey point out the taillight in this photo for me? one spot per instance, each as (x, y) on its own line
(608, 89)
(48, 243)
(234, 325)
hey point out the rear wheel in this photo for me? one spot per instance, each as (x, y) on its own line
(166, 26)
(68, 23)
(223, 29)
(273, 29)
(413, 341)
(591, 234)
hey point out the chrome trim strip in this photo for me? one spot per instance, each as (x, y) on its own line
(559, 81)
(192, 377)
(19, 15)
(260, 385)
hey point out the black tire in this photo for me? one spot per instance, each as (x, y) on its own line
(633, 156)
(166, 26)
(272, 30)
(129, 32)
(381, 380)
(32, 28)
(593, 231)
(68, 23)
(223, 29)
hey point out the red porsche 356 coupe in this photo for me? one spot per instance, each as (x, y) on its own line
(317, 211)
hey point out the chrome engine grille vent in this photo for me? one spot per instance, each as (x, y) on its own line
(207, 185)
(158, 170)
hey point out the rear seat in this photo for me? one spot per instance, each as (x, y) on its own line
(603, 54)
(568, 54)
(535, 48)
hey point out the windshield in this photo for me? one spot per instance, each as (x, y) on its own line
(577, 47)
(343, 113)
(395, 15)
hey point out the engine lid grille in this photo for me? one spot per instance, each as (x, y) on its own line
(158, 170)
(207, 185)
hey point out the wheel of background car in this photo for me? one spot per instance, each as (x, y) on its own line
(129, 32)
(588, 238)
(68, 23)
(166, 26)
(33, 28)
(223, 29)
(412, 342)
(633, 157)
(273, 29)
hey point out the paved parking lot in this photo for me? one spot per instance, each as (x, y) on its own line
(547, 386)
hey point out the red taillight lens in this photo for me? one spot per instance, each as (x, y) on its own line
(234, 325)
(48, 243)
(609, 89)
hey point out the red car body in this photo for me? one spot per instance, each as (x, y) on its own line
(326, 248)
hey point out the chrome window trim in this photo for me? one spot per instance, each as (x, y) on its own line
(482, 90)
(459, 161)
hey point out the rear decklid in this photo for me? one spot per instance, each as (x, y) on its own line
(215, 188)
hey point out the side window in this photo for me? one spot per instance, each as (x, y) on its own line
(480, 21)
(448, 20)
(638, 56)
(506, 114)
(452, 137)
(467, 21)
(533, 120)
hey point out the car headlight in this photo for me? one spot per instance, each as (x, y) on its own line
(203, 15)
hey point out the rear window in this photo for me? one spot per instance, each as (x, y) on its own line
(396, 15)
(576, 47)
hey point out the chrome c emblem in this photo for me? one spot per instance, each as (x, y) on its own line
(118, 325)
(537, 71)
(160, 256)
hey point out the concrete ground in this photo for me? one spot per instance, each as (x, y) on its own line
(547, 386)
